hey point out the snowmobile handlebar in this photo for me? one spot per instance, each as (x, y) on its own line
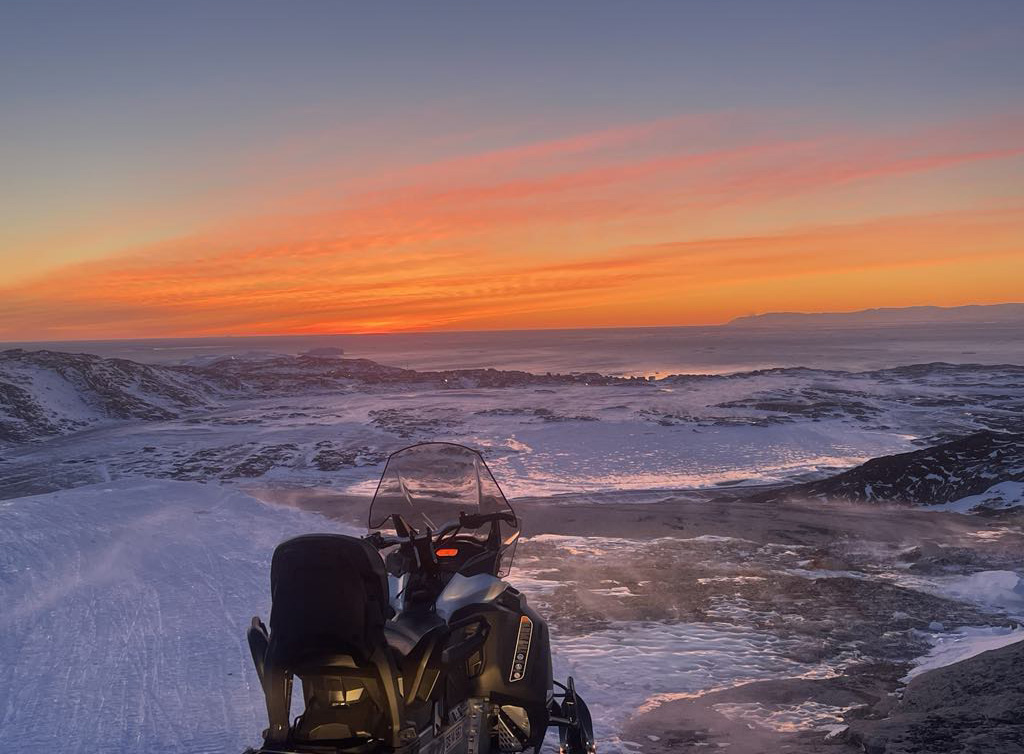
(382, 542)
(474, 521)
(418, 549)
(408, 536)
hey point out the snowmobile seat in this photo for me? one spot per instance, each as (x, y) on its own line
(329, 595)
(329, 608)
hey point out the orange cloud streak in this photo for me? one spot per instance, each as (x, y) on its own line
(543, 235)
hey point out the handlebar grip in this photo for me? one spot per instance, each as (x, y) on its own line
(379, 541)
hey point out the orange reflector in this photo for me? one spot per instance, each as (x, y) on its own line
(447, 552)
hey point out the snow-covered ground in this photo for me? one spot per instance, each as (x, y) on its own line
(124, 613)
(963, 644)
(310, 441)
(127, 585)
(126, 604)
(316, 428)
(998, 496)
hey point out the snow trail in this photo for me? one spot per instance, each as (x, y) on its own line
(125, 609)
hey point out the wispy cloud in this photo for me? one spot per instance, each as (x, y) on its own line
(553, 227)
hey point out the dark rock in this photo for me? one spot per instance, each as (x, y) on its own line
(975, 706)
(330, 457)
(939, 474)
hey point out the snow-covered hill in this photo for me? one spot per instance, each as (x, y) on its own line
(46, 393)
(982, 469)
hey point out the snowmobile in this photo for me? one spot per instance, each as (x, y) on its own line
(408, 639)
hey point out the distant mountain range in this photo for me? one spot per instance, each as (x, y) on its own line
(910, 315)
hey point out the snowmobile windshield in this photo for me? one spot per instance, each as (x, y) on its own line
(430, 485)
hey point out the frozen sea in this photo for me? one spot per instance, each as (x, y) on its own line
(650, 351)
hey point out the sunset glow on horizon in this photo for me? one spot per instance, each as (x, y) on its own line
(286, 178)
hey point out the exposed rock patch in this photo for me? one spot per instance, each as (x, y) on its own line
(940, 474)
(971, 707)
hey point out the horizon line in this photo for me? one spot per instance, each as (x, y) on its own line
(518, 330)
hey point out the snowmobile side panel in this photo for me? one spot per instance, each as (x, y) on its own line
(514, 666)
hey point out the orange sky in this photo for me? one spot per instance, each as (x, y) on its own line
(248, 167)
(687, 219)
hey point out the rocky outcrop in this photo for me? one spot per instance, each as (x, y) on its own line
(290, 373)
(975, 706)
(939, 474)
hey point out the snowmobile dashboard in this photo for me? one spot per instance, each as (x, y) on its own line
(468, 556)
(448, 550)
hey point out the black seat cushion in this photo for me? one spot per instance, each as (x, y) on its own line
(330, 596)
